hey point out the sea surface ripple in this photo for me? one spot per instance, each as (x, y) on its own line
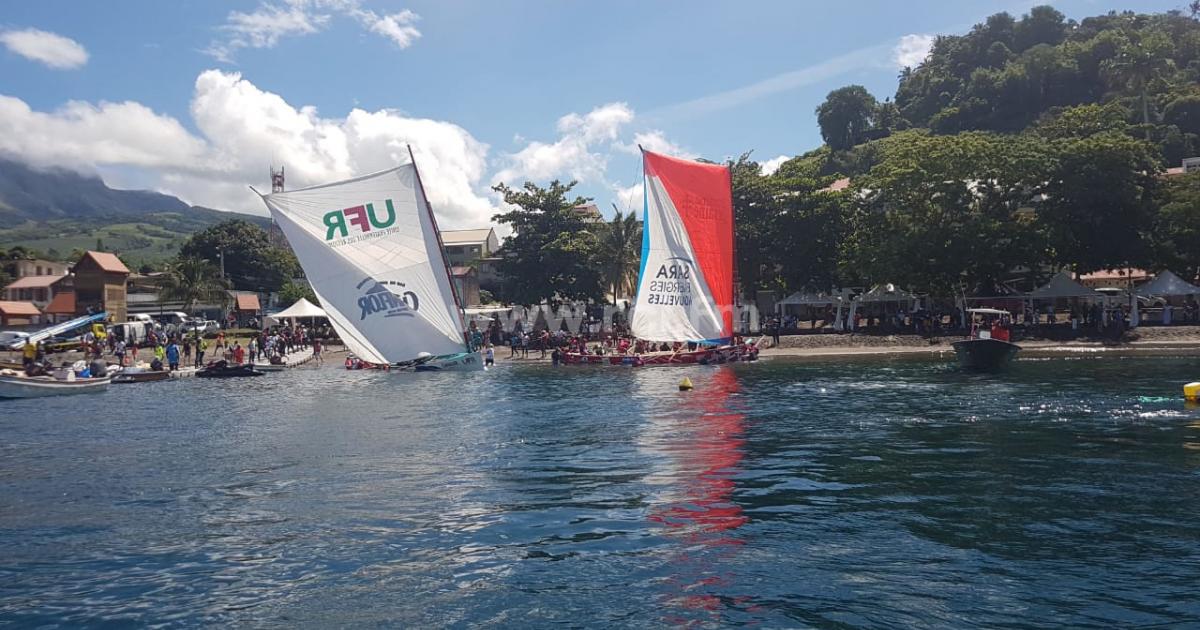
(871, 494)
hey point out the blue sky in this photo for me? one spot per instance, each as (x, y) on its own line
(196, 98)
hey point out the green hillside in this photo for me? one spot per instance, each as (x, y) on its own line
(57, 212)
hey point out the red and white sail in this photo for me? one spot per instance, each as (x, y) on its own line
(685, 288)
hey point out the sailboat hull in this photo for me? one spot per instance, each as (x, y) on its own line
(722, 354)
(461, 362)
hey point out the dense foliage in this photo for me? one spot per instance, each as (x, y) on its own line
(552, 252)
(1007, 73)
(250, 261)
(1024, 146)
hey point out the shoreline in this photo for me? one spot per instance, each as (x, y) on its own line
(1034, 349)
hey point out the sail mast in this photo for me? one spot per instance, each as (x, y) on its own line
(441, 250)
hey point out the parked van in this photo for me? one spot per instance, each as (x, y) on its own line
(170, 318)
(130, 332)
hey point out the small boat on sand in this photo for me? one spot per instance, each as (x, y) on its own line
(17, 385)
(987, 347)
(221, 369)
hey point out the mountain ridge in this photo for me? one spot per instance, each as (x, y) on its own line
(56, 211)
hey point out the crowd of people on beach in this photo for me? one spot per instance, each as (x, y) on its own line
(171, 349)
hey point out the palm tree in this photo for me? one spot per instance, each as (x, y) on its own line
(621, 252)
(1137, 64)
(192, 280)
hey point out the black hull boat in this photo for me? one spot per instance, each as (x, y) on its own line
(140, 376)
(224, 370)
(985, 354)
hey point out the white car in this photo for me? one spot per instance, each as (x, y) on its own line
(203, 326)
(10, 338)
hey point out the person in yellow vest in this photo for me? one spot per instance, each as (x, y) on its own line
(28, 353)
(201, 346)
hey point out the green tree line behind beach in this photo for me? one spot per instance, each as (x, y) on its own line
(1025, 146)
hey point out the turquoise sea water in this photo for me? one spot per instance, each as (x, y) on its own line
(833, 494)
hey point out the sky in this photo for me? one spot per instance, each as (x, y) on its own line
(198, 98)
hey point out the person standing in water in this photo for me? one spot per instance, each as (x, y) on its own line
(489, 356)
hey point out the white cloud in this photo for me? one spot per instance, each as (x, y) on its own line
(80, 134)
(657, 142)
(629, 198)
(269, 22)
(770, 166)
(912, 50)
(397, 27)
(56, 51)
(243, 130)
(574, 155)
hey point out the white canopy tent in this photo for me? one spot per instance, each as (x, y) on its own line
(800, 298)
(1167, 284)
(879, 294)
(302, 308)
(1062, 286)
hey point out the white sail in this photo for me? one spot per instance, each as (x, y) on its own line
(371, 252)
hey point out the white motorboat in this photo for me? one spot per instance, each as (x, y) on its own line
(22, 386)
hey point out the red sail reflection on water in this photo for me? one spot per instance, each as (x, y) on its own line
(706, 460)
(706, 454)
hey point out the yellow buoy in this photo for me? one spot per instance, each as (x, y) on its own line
(686, 384)
(1191, 392)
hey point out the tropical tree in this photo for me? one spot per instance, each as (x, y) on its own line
(621, 253)
(946, 214)
(1141, 60)
(1099, 205)
(1177, 234)
(552, 252)
(243, 250)
(192, 280)
(292, 292)
(846, 116)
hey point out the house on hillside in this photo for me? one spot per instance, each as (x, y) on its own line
(589, 213)
(36, 281)
(1127, 278)
(474, 248)
(99, 279)
(37, 289)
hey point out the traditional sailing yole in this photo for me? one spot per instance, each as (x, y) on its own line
(685, 285)
(371, 250)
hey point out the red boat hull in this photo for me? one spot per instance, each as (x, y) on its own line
(722, 354)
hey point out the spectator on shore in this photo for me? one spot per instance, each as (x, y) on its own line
(201, 347)
(173, 356)
(119, 351)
